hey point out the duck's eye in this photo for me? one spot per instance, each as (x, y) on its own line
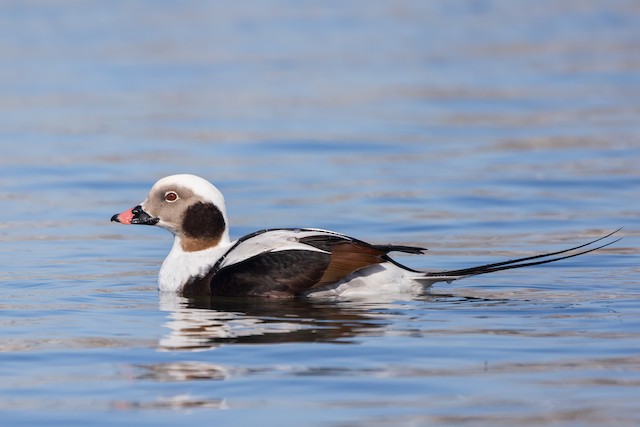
(171, 196)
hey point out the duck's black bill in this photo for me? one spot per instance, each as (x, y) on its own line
(135, 216)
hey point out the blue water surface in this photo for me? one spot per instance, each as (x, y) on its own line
(483, 130)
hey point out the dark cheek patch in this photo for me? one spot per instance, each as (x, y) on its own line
(203, 221)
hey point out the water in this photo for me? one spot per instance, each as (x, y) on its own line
(483, 130)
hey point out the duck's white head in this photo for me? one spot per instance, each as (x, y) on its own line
(190, 207)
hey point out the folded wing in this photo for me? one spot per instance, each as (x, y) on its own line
(286, 262)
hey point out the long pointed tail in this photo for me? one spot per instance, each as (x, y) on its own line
(450, 275)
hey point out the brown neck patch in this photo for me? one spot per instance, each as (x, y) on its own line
(202, 227)
(193, 245)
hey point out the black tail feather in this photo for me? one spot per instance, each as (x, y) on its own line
(399, 248)
(520, 262)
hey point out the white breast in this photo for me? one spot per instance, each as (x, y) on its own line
(180, 266)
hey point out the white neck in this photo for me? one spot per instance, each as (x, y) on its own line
(180, 266)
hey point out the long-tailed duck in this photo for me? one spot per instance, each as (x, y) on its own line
(282, 262)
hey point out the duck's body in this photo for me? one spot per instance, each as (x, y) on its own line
(285, 262)
(278, 262)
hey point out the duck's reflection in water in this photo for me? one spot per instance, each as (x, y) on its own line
(205, 323)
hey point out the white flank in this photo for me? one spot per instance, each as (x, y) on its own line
(374, 281)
